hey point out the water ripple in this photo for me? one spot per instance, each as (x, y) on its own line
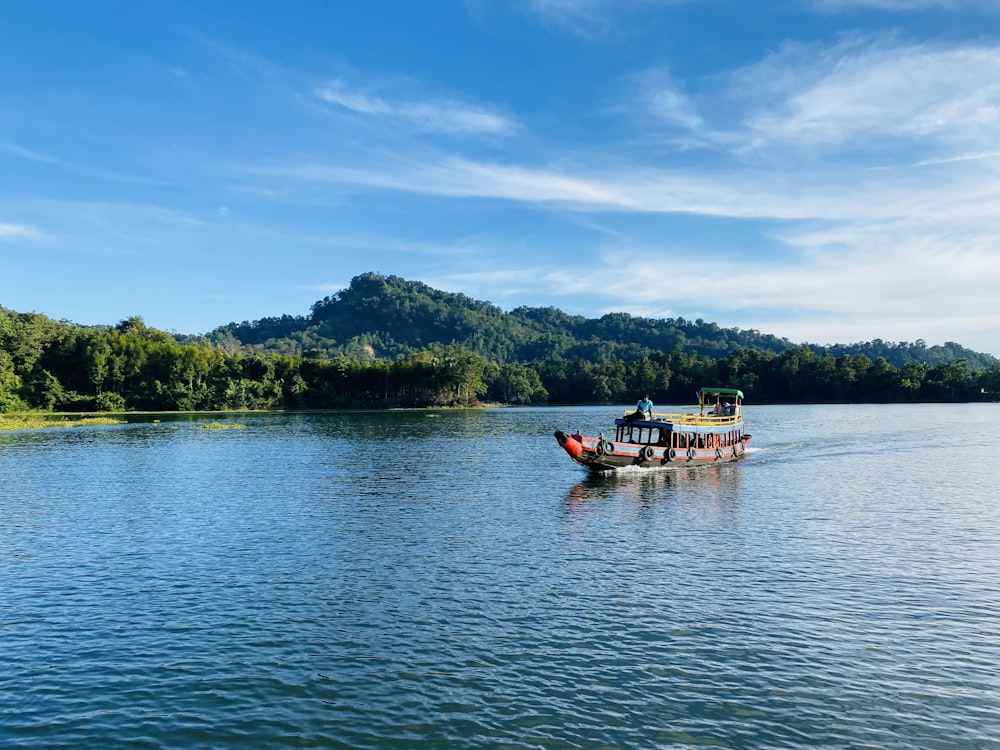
(389, 580)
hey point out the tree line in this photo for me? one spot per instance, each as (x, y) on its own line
(387, 317)
(56, 365)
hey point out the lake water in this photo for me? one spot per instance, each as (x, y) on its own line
(453, 580)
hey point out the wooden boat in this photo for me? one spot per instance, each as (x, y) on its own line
(708, 434)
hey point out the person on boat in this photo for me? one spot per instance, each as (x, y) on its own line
(717, 409)
(644, 408)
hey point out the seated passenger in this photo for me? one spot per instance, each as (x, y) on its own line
(644, 409)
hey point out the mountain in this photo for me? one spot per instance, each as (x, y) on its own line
(388, 317)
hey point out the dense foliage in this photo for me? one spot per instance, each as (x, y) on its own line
(385, 317)
(385, 341)
(52, 365)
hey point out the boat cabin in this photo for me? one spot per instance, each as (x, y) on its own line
(717, 424)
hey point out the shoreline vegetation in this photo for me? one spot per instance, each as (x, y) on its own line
(529, 357)
(31, 420)
(38, 421)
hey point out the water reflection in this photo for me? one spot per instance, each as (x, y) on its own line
(644, 484)
(712, 494)
(404, 424)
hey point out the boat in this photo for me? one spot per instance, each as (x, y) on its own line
(712, 432)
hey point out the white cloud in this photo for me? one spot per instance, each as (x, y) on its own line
(735, 193)
(336, 93)
(663, 97)
(867, 94)
(103, 229)
(18, 232)
(591, 18)
(582, 17)
(897, 6)
(434, 115)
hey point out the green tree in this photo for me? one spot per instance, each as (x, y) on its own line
(96, 363)
(43, 390)
(10, 386)
(989, 382)
(110, 402)
(950, 382)
(519, 384)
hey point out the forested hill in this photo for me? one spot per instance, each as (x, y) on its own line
(385, 317)
(385, 342)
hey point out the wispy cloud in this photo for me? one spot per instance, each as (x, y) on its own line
(23, 153)
(858, 91)
(365, 242)
(18, 232)
(732, 193)
(582, 17)
(390, 100)
(439, 115)
(591, 18)
(899, 6)
(66, 166)
(102, 228)
(241, 61)
(904, 105)
(664, 98)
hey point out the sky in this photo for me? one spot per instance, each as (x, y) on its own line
(823, 170)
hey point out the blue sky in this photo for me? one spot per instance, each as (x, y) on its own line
(825, 170)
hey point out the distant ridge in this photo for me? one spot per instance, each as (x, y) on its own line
(380, 316)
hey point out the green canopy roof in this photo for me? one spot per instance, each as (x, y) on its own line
(723, 392)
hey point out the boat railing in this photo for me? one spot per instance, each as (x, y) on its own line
(694, 420)
(700, 420)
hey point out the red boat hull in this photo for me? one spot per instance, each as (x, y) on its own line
(597, 454)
